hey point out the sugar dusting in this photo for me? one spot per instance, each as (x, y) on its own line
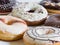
(21, 12)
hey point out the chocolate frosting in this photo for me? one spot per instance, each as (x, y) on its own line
(53, 20)
(51, 4)
(56, 1)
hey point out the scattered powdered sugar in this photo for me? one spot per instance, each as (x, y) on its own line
(22, 12)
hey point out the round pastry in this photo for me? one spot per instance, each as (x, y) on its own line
(53, 20)
(58, 43)
(11, 28)
(6, 6)
(42, 35)
(53, 6)
(32, 13)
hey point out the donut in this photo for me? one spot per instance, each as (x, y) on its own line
(32, 13)
(42, 35)
(58, 43)
(6, 6)
(11, 28)
(53, 20)
(52, 6)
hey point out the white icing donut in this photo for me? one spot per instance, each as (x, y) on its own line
(43, 35)
(30, 12)
(11, 28)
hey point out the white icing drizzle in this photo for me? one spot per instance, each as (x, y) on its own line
(45, 33)
(21, 11)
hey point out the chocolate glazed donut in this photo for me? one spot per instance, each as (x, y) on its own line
(6, 6)
(53, 6)
(53, 20)
(56, 1)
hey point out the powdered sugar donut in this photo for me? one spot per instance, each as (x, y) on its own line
(11, 28)
(43, 35)
(32, 13)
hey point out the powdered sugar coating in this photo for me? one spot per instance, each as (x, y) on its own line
(21, 11)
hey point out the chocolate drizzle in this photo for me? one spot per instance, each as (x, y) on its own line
(44, 37)
(51, 4)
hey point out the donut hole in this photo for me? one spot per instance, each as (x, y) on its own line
(35, 10)
(31, 11)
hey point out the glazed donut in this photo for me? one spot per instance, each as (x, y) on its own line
(53, 20)
(32, 13)
(42, 35)
(11, 28)
(53, 6)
